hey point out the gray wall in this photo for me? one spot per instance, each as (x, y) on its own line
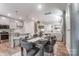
(72, 29)
(74, 12)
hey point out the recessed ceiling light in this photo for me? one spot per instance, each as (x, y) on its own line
(9, 14)
(33, 18)
(3, 18)
(16, 21)
(20, 17)
(39, 7)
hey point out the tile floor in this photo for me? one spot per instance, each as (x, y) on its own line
(60, 49)
(6, 50)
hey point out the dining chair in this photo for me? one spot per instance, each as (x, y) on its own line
(49, 47)
(30, 48)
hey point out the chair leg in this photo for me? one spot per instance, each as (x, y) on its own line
(42, 51)
(26, 53)
(21, 51)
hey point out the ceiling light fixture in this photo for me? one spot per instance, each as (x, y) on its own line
(33, 18)
(3, 18)
(20, 17)
(39, 7)
(16, 21)
(9, 14)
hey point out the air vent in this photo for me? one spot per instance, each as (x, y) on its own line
(47, 13)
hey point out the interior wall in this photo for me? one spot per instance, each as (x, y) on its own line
(29, 27)
(75, 29)
(68, 38)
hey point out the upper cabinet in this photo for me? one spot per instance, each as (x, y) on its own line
(4, 26)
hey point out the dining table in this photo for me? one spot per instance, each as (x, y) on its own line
(40, 43)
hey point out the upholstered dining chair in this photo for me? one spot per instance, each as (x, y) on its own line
(30, 48)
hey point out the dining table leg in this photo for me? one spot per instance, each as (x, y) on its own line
(21, 51)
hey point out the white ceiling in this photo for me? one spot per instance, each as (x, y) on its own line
(29, 10)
